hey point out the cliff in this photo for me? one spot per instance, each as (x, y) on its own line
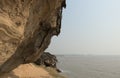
(26, 28)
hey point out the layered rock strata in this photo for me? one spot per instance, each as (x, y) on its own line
(26, 28)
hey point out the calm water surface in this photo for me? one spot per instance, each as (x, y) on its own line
(90, 66)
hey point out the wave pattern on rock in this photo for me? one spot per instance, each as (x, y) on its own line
(26, 28)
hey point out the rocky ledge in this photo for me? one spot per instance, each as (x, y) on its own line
(44, 67)
(48, 60)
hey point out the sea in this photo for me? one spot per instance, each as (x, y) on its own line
(89, 66)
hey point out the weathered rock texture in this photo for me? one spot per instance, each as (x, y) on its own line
(47, 59)
(26, 28)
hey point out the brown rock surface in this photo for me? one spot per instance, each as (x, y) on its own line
(26, 28)
(47, 59)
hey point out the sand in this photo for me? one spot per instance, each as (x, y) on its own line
(28, 71)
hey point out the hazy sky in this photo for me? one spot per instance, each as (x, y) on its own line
(89, 27)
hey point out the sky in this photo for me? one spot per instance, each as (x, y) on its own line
(89, 27)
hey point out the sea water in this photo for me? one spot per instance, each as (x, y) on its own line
(90, 66)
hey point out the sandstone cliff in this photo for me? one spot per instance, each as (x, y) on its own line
(26, 28)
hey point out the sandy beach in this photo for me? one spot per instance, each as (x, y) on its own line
(28, 71)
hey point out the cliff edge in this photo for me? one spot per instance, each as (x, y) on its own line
(26, 28)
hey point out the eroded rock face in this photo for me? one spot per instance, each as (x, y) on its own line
(26, 28)
(47, 59)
